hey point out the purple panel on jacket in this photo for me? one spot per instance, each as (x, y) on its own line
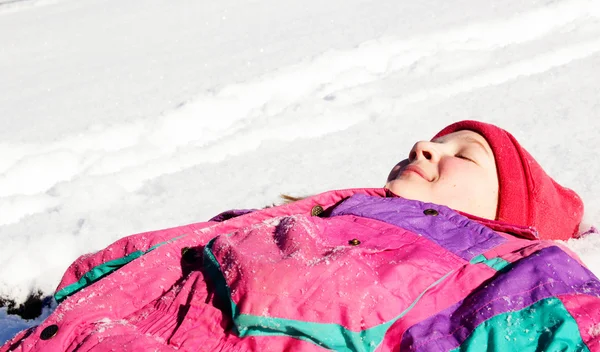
(547, 273)
(456, 233)
(230, 214)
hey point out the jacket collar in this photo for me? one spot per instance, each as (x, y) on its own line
(529, 233)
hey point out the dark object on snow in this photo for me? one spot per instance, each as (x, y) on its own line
(30, 309)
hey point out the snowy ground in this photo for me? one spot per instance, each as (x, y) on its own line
(118, 117)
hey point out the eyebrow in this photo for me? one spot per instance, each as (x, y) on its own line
(473, 140)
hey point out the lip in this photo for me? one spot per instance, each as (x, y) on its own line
(417, 170)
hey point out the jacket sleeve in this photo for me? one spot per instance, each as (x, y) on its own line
(91, 267)
(546, 301)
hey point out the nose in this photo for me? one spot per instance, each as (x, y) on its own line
(424, 150)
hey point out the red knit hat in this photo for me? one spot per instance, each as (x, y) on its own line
(527, 195)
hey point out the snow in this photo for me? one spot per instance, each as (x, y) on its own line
(119, 117)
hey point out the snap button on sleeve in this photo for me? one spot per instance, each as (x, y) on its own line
(430, 212)
(354, 242)
(316, 210)
(49, 332)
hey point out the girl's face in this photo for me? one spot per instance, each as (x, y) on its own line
(457, 170)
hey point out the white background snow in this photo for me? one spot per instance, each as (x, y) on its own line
(118, 117)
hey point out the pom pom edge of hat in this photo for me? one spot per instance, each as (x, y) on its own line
(528, 196)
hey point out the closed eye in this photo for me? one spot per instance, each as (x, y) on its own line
(461, 156)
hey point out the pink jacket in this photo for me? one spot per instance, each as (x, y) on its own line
(367, 274)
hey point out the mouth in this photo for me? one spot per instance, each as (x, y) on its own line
(417, 170)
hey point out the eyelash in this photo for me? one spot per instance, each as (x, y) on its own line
(463, 157)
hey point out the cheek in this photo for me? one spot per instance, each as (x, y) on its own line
(482, 188)
(456, 172)
(464, 180)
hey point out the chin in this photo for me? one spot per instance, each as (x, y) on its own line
(407, 194)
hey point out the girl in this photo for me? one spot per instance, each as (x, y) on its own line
(453, 254)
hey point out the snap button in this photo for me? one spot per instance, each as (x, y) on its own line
(316, 210)
(189, 255)
(49, 332)
(354, 242)
(430, 212)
